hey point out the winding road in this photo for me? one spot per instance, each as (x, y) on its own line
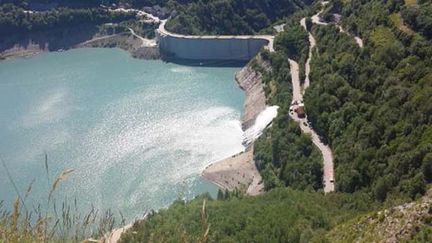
(139, 13)
(312, 44)
(316, 19)
(328, 177)
(164, 32)
(97, 39)
(144, 42)
(298, 92)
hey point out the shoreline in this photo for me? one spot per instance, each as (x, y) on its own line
(112, 41)
(81, 37)
(239, 171)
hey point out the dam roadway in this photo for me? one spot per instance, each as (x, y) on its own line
(212, 47)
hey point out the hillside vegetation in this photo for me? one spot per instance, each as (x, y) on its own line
(13, 19)
(374, 105)
(403, 223)
(283, 215)
(234, 17)
(284, 155)
(86, 3)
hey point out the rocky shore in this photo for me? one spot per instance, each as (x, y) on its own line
(239, 172)
(124, 41)
(250, 81)
(236, 173)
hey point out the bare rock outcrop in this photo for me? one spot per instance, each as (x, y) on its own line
(250, 80)
(239, 172)
(236, 173)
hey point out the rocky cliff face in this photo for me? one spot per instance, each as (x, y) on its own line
(250, 80)
(239, 171)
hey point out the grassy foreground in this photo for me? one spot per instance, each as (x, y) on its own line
(53, 220)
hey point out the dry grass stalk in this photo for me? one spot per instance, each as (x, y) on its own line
(50, 225)
(205, 224)
(62, 177)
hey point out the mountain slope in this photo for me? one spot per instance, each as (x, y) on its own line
(406, 222)
(282, 215)
(234, 17)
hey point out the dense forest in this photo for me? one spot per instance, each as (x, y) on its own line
(51, 14)
(86, 3)
(419, 17)
(374, 105)
(230, 16)
(282, 215)
(284, 155)
(13, 19)
(190, 16)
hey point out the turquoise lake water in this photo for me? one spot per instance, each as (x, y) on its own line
(137, 133)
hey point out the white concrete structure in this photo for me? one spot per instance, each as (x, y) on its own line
(212, 47)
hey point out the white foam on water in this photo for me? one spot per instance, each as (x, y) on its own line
(166, 150)
(135, 136)
(182, 69)
(263, 120)
(49, 109)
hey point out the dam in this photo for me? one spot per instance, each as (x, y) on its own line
(211, 47)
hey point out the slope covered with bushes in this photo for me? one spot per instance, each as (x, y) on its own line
(231, 16)
(409, 222)
(283, 215)
(13, 19)
(374, 105)
(284, 155)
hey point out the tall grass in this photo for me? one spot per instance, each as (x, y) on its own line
(204, 223)
(53, 220)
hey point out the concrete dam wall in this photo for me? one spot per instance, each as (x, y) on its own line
(211, 48)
